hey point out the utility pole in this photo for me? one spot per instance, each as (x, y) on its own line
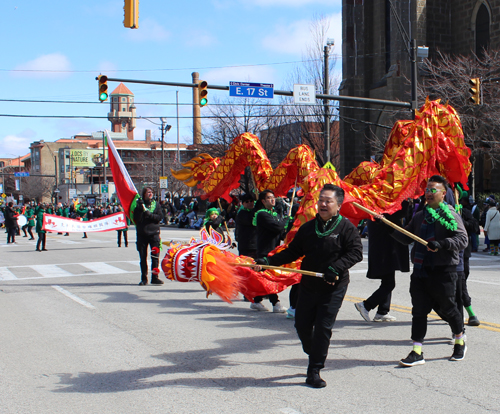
(162, 158)
(196, 111)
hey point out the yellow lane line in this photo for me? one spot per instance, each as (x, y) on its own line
(490, 326)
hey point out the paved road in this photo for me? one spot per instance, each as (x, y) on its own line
(77, 335)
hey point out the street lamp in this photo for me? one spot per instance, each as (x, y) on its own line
(164, 129)
(326, 91)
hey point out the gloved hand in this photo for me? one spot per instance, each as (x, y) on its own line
(331, 275)
(262, 261)
(140, 202)
(146, 213)
(434, 245)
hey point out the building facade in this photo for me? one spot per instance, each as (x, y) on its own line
(376, 59)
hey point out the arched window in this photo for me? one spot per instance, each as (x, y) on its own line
(482, 30)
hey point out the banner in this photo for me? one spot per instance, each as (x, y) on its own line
(89, 158)
(60, 224)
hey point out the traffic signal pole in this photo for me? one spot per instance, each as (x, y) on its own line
(396, 104)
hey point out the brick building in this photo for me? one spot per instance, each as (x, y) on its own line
(375, 60)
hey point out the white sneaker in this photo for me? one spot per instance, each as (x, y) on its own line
(383, 318)
(258, 306)
(279, 308)
(362, 310)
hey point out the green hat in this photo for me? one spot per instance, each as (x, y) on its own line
(210, 211)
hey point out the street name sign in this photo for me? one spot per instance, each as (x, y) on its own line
(21, 174)
(251, 90)
(304, 94)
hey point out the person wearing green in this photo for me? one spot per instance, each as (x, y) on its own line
(42, 236)
(65, 213)
(82, 211)
(123, 231)
(30, 215)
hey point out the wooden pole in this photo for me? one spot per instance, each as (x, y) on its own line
(282, 269)
(293, 195)
(390, 223)
(225, 224)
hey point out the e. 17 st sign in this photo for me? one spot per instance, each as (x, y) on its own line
(251, 90)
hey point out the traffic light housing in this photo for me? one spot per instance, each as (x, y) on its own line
(475, 91)
(103, 87)
(131, 14)
(203, 93)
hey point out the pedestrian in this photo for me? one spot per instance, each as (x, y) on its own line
(492, 227)
(482, 222)
(329, 244)
(11, 222)
(433, 282)
(30, 215)
(123, 232)
(42, 236)
(82, 212)
(246, 232)
(270, 231)
(147, 217)
(385, 256)
(214, 221)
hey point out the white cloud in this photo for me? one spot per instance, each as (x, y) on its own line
(107, 67)
(16, 145)
(293, 38)
(200, 38)
(45, 66)
(149, 30)
(222, 76)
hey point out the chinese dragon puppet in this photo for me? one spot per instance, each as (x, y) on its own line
(431, 144)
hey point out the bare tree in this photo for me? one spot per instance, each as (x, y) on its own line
(37, 188)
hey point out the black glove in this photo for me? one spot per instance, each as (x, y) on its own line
(331, 275)
(262, 261)
(434, 245)
(140, 202)
(146, 213)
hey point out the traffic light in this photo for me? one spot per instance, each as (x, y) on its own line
(131, 14)
(475, 91)
(202, 93)
(103, 87)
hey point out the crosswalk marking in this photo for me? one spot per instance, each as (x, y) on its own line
(53, 271)
(102, 268)
(6, 274)
(50, 271)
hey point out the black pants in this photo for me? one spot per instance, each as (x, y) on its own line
(294, 295)
(11, 234)
(437, 290)
(125, 238)
(142, 247)
(29, 231)
(273, 298)
(42, 237)
(315, 316)
(382, 296)
(466, 300)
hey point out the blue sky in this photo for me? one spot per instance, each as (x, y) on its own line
(54, 50)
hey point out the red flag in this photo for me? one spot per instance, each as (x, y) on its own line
(125, 188)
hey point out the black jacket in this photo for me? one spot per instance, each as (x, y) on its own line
(10, 218)
(246, 232)
(146, 223)
(270, 230)
(341, 250)
(216, 225)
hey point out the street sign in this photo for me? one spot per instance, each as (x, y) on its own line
(304, 94)
(251, 90)
(163, 182)
(4, 195)
(21, 174)
(72, 192)
(104, 188)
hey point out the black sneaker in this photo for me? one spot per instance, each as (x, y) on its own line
(458, 352)
(156, 281)
(412, 359)
(474, 321)
(314, 380)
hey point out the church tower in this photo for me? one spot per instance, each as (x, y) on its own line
(123, 111)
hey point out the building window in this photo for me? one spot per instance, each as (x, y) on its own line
(482, 30)
(124, 99)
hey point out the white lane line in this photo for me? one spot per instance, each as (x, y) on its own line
(50, 270)
(484, 283)
(6, 274)
(102, 268)
(73, 297)
(289, 411)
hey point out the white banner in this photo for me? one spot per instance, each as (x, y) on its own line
(60, 224)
